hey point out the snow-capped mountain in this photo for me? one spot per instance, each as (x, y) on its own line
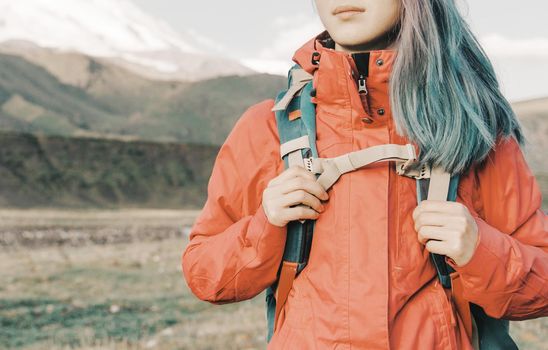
(115, 29)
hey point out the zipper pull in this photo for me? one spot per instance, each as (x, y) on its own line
(361, 85)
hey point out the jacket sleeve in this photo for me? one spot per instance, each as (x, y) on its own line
(234, 251)
(507, 274)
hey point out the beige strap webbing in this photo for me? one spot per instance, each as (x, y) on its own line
(293, 148)
(296, 157)
(438, 189)
(439, 184)
(299, 78)
(293, 145)
(332, 168)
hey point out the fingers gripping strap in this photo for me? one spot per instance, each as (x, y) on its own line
(333, 168)
(299, 78)
(287, 275)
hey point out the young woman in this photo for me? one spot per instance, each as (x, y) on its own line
(369, 282)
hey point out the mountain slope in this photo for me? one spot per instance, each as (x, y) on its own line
(57, 107)
(113, 29)
(110, 102)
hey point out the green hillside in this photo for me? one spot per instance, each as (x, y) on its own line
(54, 171)
(33, 100)
(38, 171)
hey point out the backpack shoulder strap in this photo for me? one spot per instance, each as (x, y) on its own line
(439, 186)
(296, 122)
(297, 79)
(485, 332)
(443, 187)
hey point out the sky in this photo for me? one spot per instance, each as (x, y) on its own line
(264, 35)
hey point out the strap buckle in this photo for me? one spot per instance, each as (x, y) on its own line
(412, 157)
(308, 163)
(409, 168)
(422, 172)
(314, 165)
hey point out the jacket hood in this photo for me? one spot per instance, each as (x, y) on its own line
(335, 83)
(323, 43)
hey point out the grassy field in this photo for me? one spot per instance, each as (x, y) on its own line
(95, 280)
(112, 280)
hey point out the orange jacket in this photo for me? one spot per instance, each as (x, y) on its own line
(369, 283)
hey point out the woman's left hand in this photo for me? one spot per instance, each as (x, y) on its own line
(446, 228)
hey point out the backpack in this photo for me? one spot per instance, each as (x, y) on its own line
(296, 122)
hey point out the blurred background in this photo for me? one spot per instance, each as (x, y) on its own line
(111, 115)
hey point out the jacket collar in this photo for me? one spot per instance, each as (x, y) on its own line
(336, 89)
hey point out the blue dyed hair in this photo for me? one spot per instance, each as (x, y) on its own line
(444, 93)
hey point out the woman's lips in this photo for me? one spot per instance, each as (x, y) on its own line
(347, 11)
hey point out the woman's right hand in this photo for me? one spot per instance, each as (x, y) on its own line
(284, 194)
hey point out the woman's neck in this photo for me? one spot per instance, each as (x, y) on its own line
(381, 43)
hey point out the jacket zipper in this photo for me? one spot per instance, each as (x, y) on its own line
(361, 84)
(362, 88)
(362, 91)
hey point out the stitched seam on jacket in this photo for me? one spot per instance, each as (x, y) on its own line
(255, 247)
(521, 277)
(241, 268)
(509, 294)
